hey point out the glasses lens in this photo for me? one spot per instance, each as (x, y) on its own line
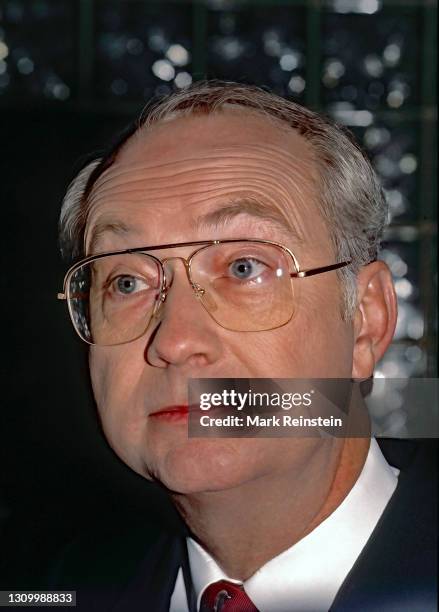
(112, 299)
(247, 285)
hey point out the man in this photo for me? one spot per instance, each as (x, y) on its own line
(237, 236)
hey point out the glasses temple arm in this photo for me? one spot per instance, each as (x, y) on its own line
(314, 271)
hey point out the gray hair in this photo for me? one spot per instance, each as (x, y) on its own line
(351, 198)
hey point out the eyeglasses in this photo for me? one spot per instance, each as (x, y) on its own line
(243, 284)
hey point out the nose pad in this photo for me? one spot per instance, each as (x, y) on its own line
(205, 297)
(160, 299)
(200, 294)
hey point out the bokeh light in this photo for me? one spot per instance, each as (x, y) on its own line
(360, 61)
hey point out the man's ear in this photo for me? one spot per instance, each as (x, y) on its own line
(375, 317)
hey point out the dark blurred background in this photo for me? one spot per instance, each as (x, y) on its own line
(74, 72)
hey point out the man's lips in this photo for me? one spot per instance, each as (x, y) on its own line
(180, 412)
(172, 413)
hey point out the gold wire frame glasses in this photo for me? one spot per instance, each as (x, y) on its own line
(243, 284)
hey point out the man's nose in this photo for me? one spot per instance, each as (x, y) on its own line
(185, 334)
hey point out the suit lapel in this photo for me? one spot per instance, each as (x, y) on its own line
(190, 591)
(397, 568)
(154, 581)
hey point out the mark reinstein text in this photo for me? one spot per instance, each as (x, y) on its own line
(272, 421)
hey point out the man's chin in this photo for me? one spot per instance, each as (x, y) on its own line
(201, 466)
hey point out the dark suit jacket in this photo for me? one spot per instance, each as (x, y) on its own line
(136, 570)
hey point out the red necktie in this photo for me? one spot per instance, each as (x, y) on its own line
(224, 596)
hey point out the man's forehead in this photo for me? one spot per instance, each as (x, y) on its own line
(228, 128)
(235, 143)
(217, 159)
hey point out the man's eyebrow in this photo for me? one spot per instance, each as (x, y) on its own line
(253, 208)
(114, 227)
(215, 218)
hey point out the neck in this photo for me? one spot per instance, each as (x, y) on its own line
(246, 526)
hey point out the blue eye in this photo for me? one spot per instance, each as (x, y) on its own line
(126, 284)
(246, 268)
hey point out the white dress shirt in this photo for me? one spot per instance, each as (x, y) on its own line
(307, 576)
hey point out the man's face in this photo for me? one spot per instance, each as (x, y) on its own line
(229, 175)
